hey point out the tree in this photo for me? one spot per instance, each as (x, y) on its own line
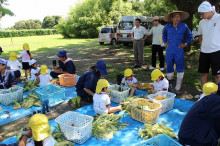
(190, 6)
(4, 11)
(51, 21)
(27, 24)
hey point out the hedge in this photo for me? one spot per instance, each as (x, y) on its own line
(22, 33)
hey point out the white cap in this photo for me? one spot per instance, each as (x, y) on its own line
(206, 7)
(32, 62)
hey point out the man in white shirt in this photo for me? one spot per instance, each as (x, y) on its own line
(209, 30)
(156, 31)
(138, 34)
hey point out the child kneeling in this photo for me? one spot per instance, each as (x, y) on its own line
(129, 81)
(160, 82)
(101, 100)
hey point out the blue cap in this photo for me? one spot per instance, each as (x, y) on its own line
(3, 61)
(1, 49)
(62, 53)
(101, 67)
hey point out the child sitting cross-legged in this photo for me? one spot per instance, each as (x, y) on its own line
(129, 81)
(160, 82)
(101, 100)
(44, 78)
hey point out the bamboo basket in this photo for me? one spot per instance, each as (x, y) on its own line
(68, 80)
(150, 115)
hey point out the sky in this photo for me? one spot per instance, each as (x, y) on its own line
(35, 9)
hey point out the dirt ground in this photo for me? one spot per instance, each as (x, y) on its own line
(84, 58)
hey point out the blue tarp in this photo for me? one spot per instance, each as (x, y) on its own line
(129, 135)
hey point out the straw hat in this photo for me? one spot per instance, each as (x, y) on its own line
(183, 15)
(155, 18)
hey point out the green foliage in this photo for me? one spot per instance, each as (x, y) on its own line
(22, 33)
(27, 24)
(51, 21)
(4, 11)
(85, 20)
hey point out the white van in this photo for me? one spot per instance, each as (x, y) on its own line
(107, 35)
(125, 26)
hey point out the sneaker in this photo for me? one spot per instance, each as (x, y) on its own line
(161, 69)
(151, 68)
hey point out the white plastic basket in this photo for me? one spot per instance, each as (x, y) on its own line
(167, 104)
(76, 127)
(118, 96)
(8, 96)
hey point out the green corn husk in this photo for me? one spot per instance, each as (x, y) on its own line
(150, 131)
(19, 135)
(30, 84)
(106, 125)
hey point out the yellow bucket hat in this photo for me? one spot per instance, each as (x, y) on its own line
(128, 72)
(26, 46)
(40, 127)
(209, 88)
(156, 74)
(43, 69)
(13, 56)
(101, 84)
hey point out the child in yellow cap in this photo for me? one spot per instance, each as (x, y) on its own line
(44, 78)
(40, 130)
(14, 65)
(101, 100)
(26, 57)
(208, 89)
(160, 82)
(129, 81)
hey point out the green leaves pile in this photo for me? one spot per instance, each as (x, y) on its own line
(29, 85)
(31, 100)
(150, 131)
(106, 125)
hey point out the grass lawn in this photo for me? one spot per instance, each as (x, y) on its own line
(86, 52)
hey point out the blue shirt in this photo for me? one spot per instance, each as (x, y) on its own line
(89, 81)
(68, 67)
(7, 80)
(175, 35)
(199, 125)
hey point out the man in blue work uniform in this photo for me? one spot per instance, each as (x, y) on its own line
(86, 85)
(7, 78)
(200, 126)
(173, 36)
(66, 65)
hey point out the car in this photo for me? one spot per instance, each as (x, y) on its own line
(107, 35)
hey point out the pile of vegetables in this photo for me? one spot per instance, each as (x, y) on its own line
(58, 135)
(30, 84)
(29, 101)
(106, 125)
(125, 104)
(159, 97)
(150, 131)
(145, 86)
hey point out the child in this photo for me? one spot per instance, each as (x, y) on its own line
(44, 78)
(14, 65)
(7, 79)
(160, 82)
(26, 57)
(129, 81)
(208, 89)
(101, 100)
(34, 71)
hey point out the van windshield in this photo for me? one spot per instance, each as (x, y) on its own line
(105, 30)
(125, 25)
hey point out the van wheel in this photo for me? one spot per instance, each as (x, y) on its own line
(125, 44)
(101, 43)
(113, 42)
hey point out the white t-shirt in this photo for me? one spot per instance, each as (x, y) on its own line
(161, 85)
(156, 31)
(210, 31)
(201, 96)
(14, 65)
(49, 141)
(25, 56)
(139, 32)
(132, 81)
(33, 72)
(99, 103)
(45, 79)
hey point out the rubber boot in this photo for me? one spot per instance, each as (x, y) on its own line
(170, 77)
(178, 85)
